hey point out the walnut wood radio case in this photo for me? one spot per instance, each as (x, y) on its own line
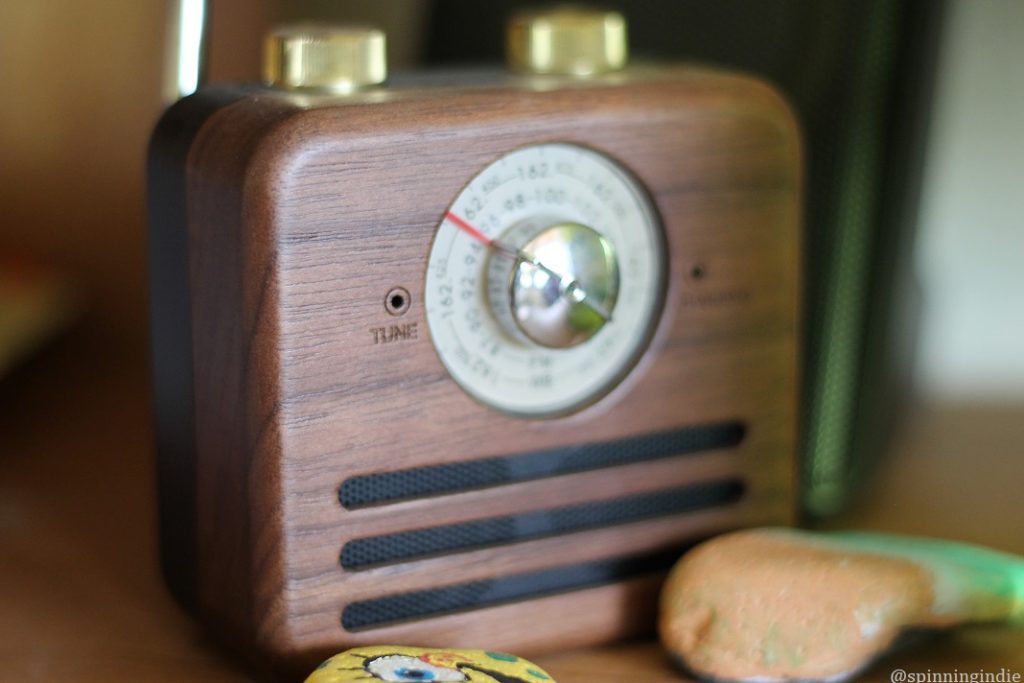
(325, 482)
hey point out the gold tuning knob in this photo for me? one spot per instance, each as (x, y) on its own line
(325, 57)
(567, 41)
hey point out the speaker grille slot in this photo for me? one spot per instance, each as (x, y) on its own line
(432, 480)
(407, 545)
(379, 612)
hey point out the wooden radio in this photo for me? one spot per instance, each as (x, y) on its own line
(467, 359)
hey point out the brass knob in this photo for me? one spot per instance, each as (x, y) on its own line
(324, 57)
(567, 41)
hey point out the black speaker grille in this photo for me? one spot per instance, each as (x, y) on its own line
(389, 487)
(434, 602)
(407, 545)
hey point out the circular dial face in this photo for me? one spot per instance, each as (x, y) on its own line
(522, 313)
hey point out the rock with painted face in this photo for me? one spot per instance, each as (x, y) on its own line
(402, 664)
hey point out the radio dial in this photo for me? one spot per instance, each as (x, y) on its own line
(545, 280)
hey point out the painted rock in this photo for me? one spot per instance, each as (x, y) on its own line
(400, 664)
(782, 604)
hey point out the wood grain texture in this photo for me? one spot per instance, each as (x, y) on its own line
(83, 601)
(303, 214)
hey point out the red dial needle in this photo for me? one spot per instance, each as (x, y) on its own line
(497, 245)
(469, 229)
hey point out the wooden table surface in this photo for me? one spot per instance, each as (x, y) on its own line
(81, 599)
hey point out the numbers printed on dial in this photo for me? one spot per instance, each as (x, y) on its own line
(541, 185)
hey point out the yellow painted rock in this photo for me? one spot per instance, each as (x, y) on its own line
(401, 664)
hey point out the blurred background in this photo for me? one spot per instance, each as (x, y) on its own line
(914, 115)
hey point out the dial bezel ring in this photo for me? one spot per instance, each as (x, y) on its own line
(653, 253)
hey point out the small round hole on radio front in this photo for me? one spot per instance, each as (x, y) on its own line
(397, 301)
